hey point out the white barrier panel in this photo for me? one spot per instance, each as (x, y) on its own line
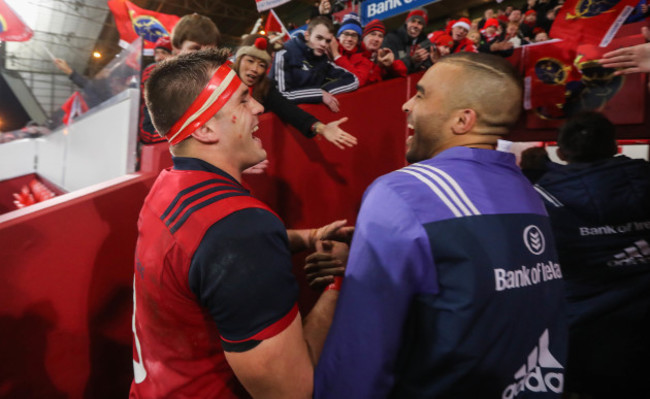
(17, 158)
(98, 146)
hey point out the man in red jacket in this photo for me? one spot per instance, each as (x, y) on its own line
(372, 63)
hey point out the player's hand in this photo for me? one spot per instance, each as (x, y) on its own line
(335, 231)
(331, 101)
(337, 136)
(328, 261)
(633, 59)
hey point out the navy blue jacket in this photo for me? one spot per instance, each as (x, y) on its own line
(301, 75)
(600, 213)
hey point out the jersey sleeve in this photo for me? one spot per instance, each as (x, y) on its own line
(389, 259)
(241, 273)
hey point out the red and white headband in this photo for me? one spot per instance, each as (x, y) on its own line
(215, 95)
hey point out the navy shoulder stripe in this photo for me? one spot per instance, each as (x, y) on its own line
(188, 190)
(203, 204)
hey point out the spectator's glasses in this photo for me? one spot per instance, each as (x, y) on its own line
(350, 34)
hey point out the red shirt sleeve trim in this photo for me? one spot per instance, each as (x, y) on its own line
(272, 330)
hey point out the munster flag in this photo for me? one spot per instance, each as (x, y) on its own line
(590, 21)
(263, 5)
(273, 24)
(548, 68)
(133, 21)
(12, 28)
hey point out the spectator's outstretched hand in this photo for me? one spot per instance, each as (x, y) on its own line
(633, 59)
(328, 261)
(385, 57)
(337, 136)
(63, 66)
(257, 169)
(331, 101)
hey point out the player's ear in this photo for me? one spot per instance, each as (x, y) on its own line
(463, 121)
(206, 134)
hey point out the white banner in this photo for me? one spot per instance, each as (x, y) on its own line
(263, 5)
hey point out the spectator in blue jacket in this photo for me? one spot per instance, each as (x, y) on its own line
(598, 205)
(304, 72)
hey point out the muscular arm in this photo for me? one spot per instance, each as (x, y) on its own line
(241, 273)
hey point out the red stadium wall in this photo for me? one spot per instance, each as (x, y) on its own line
(66, 265)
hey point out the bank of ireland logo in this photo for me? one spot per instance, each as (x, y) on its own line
(534, 239)
(149, 28)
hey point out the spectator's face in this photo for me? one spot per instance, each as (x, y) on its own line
(509, 10)
(511, 30)
(443, 50)
(541, 37)
(491, 30)
(319, 39)
(373, 40)
(251, 70)
(530, 18)
(515, 16)
(349, 39)
(235, 124)
(474, 36)
(427, 114)
(458, 33)
(489, 13)
(160, 54)
(414, 27)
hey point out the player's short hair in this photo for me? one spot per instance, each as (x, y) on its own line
(177, 82)
(490, 85)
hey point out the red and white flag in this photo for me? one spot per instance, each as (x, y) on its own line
(273, 24)
(74, 106)
(133, 22)
(591, 22)
(12, 28)
(263, 5)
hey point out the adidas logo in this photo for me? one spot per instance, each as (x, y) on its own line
(633, 255)
(532, 376)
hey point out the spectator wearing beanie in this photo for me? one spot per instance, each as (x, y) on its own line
(348, 36)
(529, 23)
(493, 39)
(162, 49)
(459, 30)
(409, 43)
(373, 63)
(441, 43)
(252, 60)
